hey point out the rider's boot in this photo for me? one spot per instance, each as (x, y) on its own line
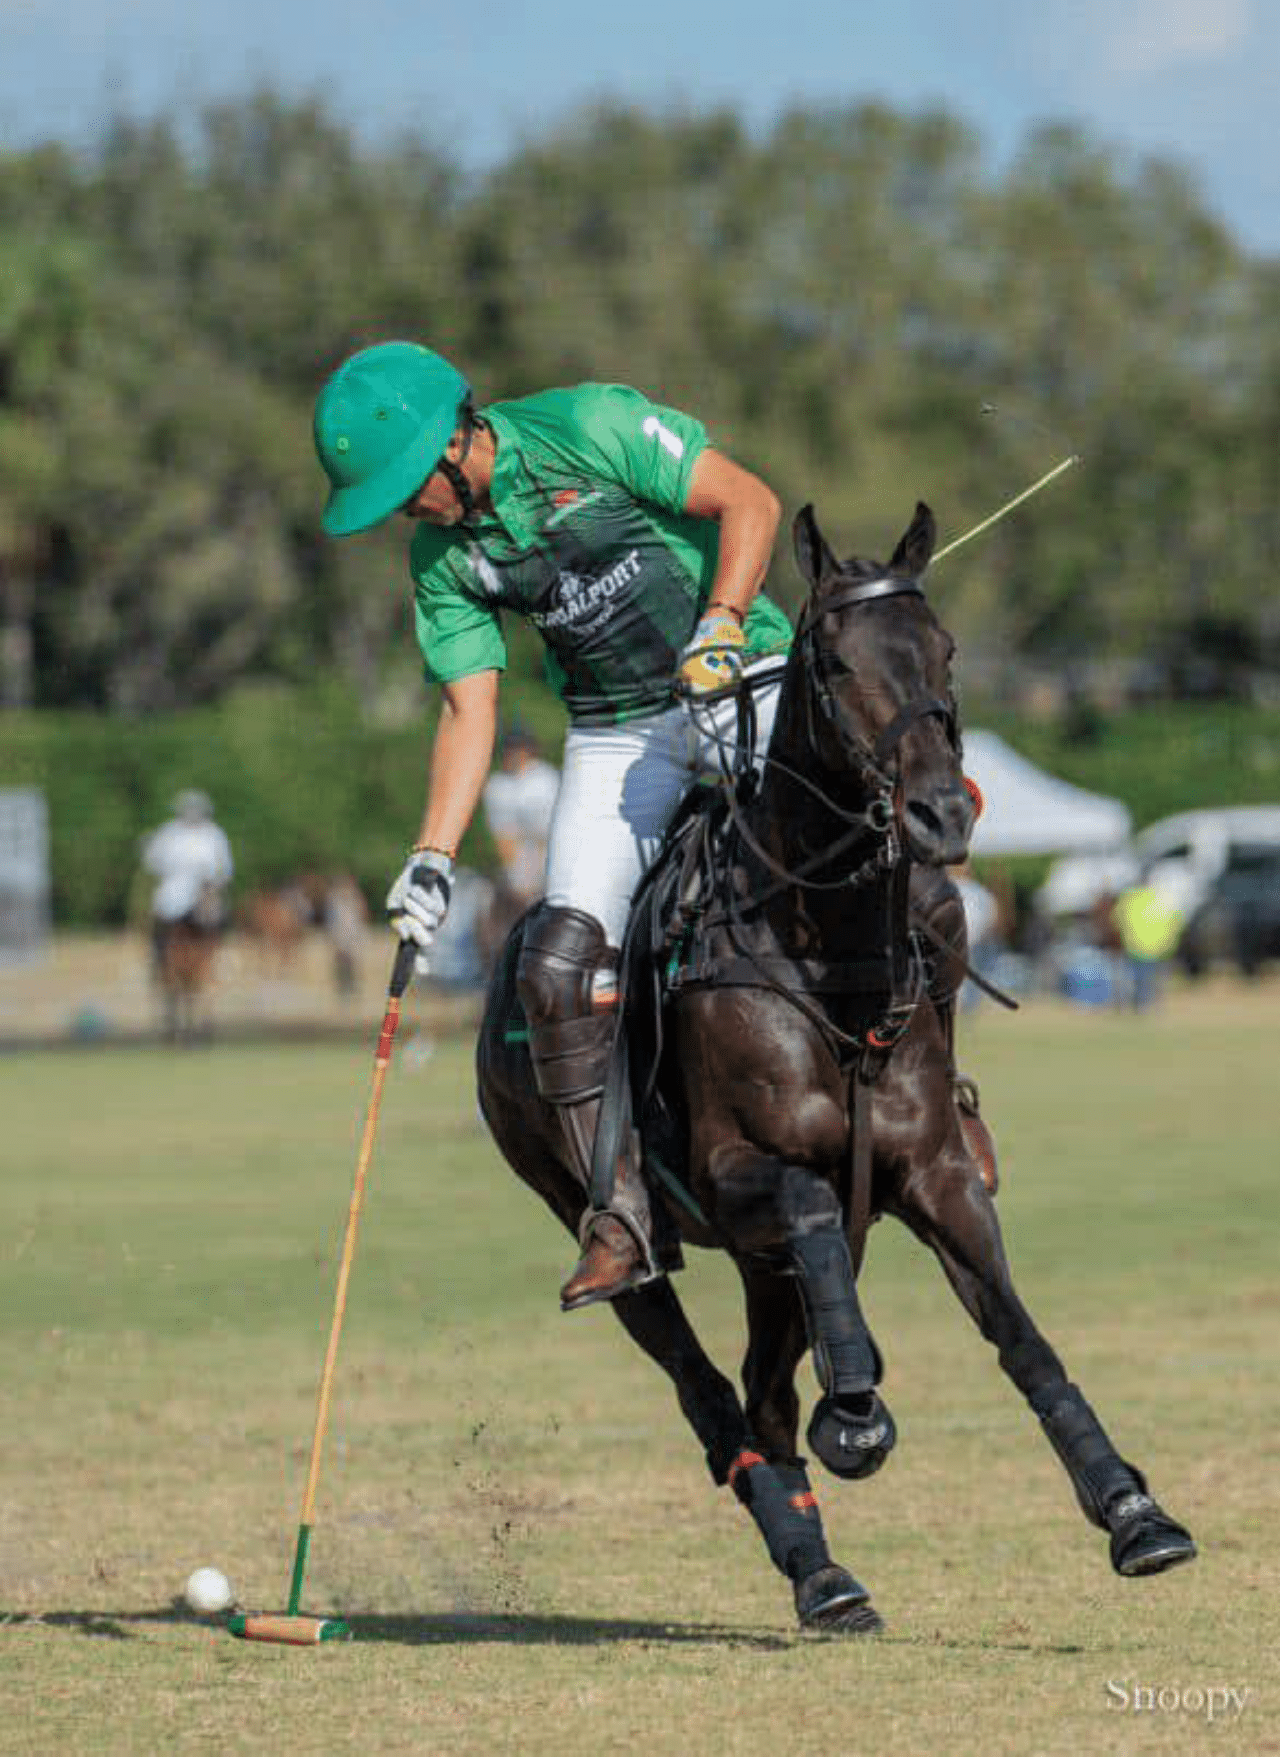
(617, 1241)
(570, 1039)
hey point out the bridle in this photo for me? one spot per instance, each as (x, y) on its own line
(870, 762)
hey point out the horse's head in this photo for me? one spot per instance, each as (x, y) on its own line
(880, 708)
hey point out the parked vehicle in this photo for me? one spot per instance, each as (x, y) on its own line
(1239, 921)
(1183, 856)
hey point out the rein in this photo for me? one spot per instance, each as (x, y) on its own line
(891, 861)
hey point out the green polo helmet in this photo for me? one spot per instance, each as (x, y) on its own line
(382, 423)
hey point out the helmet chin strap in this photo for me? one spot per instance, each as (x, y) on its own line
(452, 472)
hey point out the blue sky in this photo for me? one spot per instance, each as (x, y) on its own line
(1196, 80)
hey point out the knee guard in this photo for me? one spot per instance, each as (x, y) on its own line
(569, 1041)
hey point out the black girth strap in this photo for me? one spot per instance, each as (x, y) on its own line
(809, 975)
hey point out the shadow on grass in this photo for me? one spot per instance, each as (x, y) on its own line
(108, 1625)
(522, 1629)
(437, 1629)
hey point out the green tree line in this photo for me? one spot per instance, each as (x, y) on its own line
(857, 305)
(303, 781)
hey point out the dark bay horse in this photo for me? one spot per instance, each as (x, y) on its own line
(804, 1067)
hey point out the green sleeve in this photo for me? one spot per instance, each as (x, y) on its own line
(617, 433)
(456, 636)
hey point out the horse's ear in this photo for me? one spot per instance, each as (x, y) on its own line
(813, 554)
(912, 555)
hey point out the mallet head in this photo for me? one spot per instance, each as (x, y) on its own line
(291, 1631)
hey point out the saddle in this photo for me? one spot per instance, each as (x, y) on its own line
(667, 950)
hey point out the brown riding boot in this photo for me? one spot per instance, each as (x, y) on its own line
(611, 1263)
(571, 1034)
(617, 1253)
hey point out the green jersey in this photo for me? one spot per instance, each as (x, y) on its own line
(589, 539)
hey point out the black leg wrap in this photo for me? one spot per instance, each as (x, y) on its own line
(851, 1431)
(721, 1431)
(1113, 1494)
(779, 1499)
(1099, 1475)
(846, 1359)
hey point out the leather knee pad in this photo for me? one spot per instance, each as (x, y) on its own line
(568, 1041)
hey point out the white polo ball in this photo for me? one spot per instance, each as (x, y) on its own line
(208, 1591)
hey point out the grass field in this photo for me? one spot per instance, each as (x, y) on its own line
(513, 1514)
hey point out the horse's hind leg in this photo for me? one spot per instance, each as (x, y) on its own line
(655, 1320)
(949, 1209)
(775, 1493)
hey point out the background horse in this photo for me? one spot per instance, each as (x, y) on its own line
(800, 1081)
(184, 951)
(281, 920)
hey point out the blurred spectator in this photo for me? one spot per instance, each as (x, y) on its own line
(189, 857)
(1149, 926)
(1103, 924)
(519, 799)
(345, 918)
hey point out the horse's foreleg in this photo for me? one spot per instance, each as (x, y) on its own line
(851, 1430)
(776, 1342)
(949, 1209)
(772, 1483)
(763, 1204)
(776, 1493)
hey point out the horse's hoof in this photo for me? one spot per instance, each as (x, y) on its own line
(831, 1602)
(851, 1442)
(1144, 1540)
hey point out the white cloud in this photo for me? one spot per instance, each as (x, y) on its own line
(1148, 38)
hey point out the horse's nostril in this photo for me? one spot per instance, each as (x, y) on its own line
(940, 825)
(923, 817)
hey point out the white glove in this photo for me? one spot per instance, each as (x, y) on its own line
(419, 900)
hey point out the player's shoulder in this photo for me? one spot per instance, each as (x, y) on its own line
(434, 553)
(551, 414)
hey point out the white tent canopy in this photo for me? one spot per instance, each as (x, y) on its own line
(1030, 812)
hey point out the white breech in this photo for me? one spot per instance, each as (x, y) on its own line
(620, 787)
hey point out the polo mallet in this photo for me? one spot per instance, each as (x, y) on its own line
(999, 513)
(292, 1628)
